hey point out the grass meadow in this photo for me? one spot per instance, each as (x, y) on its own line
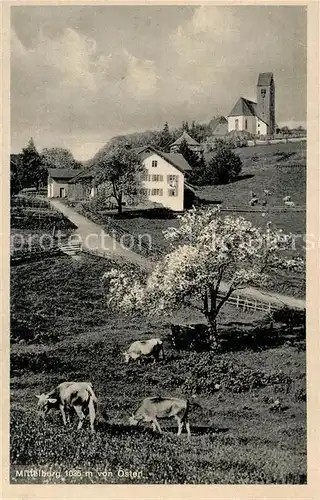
(237, 435)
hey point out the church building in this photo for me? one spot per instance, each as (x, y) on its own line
(257, 118)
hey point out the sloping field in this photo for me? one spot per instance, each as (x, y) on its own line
(237, 437)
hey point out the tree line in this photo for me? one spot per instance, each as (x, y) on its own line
(29, 169)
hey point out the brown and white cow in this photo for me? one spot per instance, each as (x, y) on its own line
(162, 407)
(141, 349)
(68, 395)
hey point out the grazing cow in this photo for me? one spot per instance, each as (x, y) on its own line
(144, 349)
(267, 192)
(195, 337)
(159, 407)
(67, 395)
(287, 198)
(264, 203)
(253, 201)
(252, 194)
(289, 204)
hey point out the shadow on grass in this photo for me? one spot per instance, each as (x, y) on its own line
(242, 178)
(121, 429)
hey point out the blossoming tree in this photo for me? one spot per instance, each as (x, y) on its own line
(211, 256)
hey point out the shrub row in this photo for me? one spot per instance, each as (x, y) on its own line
(233, 377)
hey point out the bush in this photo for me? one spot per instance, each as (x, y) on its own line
(233, 377)
(224, 166)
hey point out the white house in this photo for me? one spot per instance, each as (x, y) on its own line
(58, 179)
(164, 178)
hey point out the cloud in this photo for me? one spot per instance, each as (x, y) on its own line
(63, 83)
(81, 79)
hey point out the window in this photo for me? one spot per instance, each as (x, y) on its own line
(246, 124)
(172, 192)
(172, 179)
(156, 192)
(263, 92)
(154, 163)
(237, 124)
(146, 177)
(157, 178)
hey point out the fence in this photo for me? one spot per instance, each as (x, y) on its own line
(247, 304)
(119, 233)
(276, 209)
(23, 256)
(30, 202)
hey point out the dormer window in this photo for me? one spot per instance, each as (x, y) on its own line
(154, 163)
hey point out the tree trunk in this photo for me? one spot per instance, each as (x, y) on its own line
(120, 205)
(214, 338)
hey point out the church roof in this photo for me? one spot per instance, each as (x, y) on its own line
(264, 79)
(185, 137)
(244, 107)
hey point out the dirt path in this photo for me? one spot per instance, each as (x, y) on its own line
(93, 237)
(88, 232)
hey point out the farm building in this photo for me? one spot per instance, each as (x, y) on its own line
(192, 143)
(58, 181)
(80, 187)
(163, 181)
(257, 118)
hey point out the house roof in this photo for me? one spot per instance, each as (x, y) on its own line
(83, 174)
(219, 120)
(244, 107)
(264, 79)
(62, 173)
(175, 159)
(185, 137)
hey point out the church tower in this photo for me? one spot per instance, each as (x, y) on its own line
(266, 100)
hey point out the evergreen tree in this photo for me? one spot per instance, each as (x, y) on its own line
(15, 174)
(34, 173)
(196, 163)
(185, 126)
(193, 131)
(198, 175)
(224, 166)
(165, 139)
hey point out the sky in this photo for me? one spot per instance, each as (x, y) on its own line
(82, 74)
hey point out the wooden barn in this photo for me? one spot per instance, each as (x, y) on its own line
(81, 186)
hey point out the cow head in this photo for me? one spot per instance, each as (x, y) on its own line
(45, 403)
(126, 357)
(133, 420)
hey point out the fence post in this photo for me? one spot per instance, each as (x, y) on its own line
(238, 298)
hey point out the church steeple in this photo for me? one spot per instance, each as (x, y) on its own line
(266, 100)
